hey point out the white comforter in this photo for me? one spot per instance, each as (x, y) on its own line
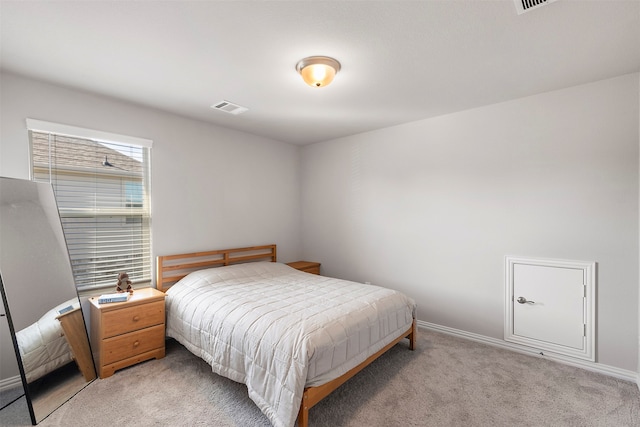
(43, 346)
(277, 329)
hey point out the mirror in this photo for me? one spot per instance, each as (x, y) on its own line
(41, 302)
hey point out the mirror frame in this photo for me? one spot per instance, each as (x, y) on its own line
(16, 349)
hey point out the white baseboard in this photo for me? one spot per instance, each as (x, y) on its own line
(10, 383)
(612, 371)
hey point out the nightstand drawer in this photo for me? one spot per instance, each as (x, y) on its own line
(128, 345)
(312, 270)
(129, 319)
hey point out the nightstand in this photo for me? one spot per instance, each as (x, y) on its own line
(306, 266)
(126, 333)
(76, 335)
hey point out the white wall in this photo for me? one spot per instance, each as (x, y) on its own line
(432, 207)
(211, 187)
(8, 362)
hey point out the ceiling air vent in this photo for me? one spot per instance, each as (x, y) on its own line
(523, 6)
(229, 107)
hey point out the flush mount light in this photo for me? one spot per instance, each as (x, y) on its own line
(318, 71)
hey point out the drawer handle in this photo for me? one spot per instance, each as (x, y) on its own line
(137, 343)
(136, 318)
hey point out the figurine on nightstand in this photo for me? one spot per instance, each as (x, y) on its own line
(124, 284)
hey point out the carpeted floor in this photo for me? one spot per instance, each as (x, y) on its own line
(9, 395)
(447, 381)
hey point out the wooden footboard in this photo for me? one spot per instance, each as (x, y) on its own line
(313, 395)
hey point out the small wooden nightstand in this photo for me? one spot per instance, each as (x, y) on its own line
(76, 335)
(126, 333)
(306, 266)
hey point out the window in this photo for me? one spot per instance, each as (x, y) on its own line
(101, 183)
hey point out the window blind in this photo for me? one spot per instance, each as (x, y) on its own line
(103, 194)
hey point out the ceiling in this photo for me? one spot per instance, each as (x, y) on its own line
(401, 60)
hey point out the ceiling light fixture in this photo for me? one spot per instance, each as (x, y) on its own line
(318, 71)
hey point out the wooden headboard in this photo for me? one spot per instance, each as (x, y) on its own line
(171, 268)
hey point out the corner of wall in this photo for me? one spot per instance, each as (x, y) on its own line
(638, 370)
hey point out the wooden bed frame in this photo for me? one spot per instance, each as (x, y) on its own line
(171, 268)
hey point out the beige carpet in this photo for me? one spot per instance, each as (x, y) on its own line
(448, 381)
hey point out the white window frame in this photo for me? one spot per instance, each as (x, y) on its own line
(62, 130)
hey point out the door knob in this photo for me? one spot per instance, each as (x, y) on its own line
(523, 300)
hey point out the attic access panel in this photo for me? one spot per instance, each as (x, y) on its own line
(550, 306)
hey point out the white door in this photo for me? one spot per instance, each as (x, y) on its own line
(550, 305)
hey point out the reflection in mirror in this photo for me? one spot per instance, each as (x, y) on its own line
(41, 302)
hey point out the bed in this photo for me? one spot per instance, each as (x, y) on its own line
(290, 336)
(57, 338)
(43, 346)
